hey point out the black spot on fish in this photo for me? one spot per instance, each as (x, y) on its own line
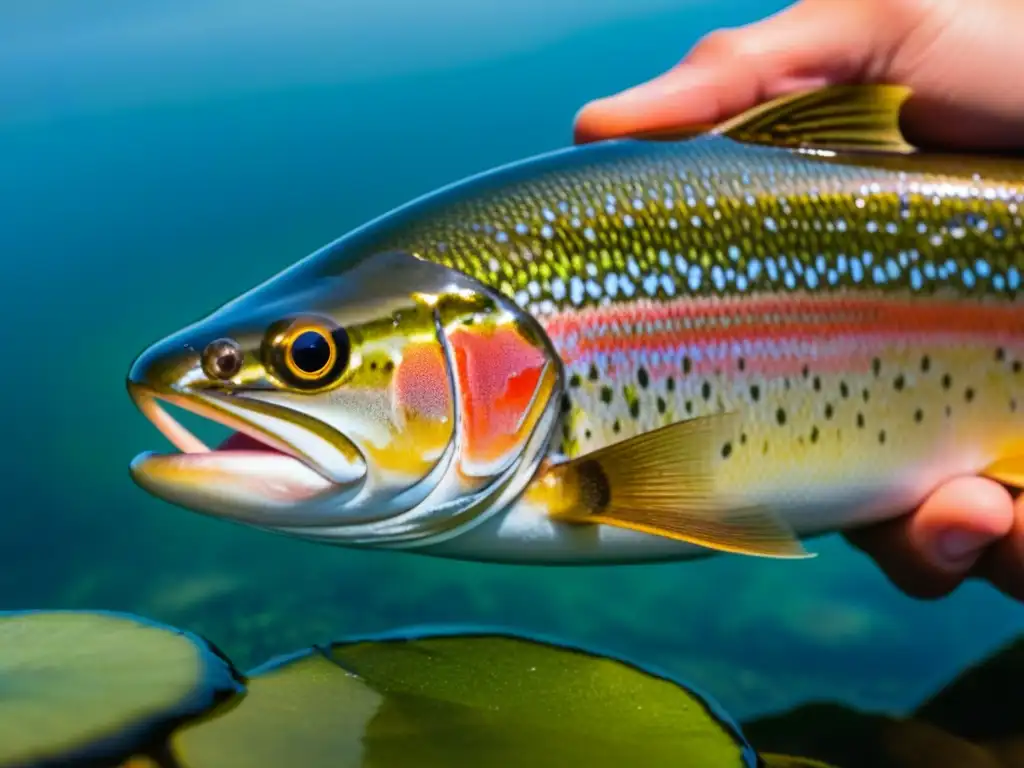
(566, 404)
(860, 420)
(596, 490)
(726, 450)
(587, 434)
(828, 410)
(805, 371)
(876, 366)
(926, 363)
(662, 405)
(898, 382)
(881, 436)
(947, 381)
(755, 392)
(643, 378)
(968, 394)
(844, 390)
(389, 366)
(743, 438)
(785, 384)
(686, 364)
(689, 406)
(670, 385)
(705, 390)
(817, 384)
(814, 434)
(741, 364)
(373, 365)
(1016, 366)
(918, 415)
(593, 374)
(574, 380)
(1000, 354)
(606, 394)
(634, 409)
(865, 394)
(616, 427)
(780, 416)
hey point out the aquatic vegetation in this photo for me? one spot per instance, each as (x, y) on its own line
(431, 697)
(100, 688)
(93, 686)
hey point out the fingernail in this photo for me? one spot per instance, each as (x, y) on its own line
(957, 546)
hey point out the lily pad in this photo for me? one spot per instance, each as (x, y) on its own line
(304, 710)
(97, 686)
(438, 698)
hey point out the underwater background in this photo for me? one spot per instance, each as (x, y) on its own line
(157, 158)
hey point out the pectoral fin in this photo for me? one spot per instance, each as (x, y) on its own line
(1008, 471)
(661, 483)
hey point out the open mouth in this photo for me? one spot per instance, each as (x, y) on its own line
(243, 437)
(249, 474)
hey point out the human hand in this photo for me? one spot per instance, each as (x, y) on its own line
(961, 59)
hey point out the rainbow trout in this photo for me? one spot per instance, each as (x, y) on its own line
(789, 324)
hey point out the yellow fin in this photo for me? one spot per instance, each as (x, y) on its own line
(661, 483)
(864, 117)
(1008, 471)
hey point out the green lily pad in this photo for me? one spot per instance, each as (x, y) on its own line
(443, 699)
(96, 686)
(305, 710)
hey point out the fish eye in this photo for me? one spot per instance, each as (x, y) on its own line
(222, 359)
(308, 353)
(311, 353)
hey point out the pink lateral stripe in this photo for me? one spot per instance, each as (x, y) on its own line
(775, 335)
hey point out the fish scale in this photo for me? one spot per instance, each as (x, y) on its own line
(679, 280)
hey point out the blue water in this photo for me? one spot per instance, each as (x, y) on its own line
(160, 157)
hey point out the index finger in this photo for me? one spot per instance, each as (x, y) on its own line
(804, 46)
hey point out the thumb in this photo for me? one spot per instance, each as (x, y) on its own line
(807, 45)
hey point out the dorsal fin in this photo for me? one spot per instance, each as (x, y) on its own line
(865, 117)
(850, 117)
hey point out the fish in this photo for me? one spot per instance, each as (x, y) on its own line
(733, 339)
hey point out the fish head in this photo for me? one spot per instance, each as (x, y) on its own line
(384, 402)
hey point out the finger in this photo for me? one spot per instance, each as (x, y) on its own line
(1003, 564)
(929, 552)
(807, 45)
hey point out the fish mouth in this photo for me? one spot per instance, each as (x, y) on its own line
(253, 475)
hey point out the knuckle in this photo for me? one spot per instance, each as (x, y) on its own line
(726, 43)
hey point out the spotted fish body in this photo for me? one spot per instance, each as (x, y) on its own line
(855, 315)
(862, 316)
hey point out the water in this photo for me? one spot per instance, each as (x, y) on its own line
(159, 158)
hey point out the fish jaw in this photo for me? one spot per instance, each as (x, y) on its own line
(255, 487)
(256, 476)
